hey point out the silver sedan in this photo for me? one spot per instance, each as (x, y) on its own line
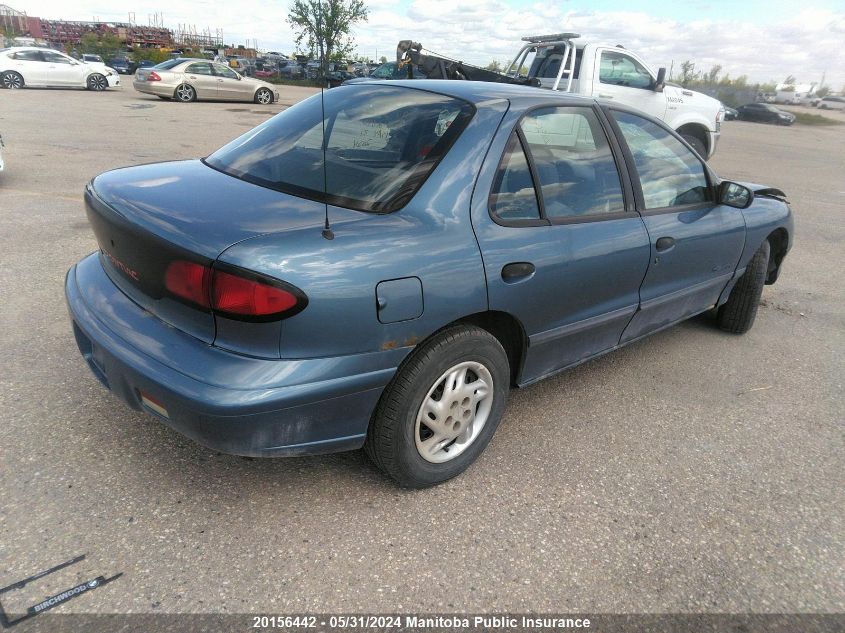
(195, 79)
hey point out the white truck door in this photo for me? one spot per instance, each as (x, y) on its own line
(621, 77)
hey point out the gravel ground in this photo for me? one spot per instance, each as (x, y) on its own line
(694, 471)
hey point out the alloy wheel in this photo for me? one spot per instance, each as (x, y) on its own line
(12, 81)
(453, 412)
(185, 93)
(98, 83)
(264, 96)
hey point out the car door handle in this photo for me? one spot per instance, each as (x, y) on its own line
(603, 96)
(664, 244)
(517, 271)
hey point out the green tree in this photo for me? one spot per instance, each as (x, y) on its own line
(326, 25)
(382, 59)
(149, 54)
(495, 66)
(823, 91)
(713, 74)
(688, 73)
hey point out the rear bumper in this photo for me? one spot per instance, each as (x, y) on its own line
(156, 88)
(225, 401)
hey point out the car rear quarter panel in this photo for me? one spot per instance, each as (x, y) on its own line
(431, 238)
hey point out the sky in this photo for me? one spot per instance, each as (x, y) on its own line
(767, 40)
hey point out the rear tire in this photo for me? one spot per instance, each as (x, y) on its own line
(11, 80)
(185, 93)
(263, 96)
(696, 143)
(459, 379)
(738, 313)
(97, 82)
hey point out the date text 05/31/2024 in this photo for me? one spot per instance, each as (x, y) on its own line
(415, 621)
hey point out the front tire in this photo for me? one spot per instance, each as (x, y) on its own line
(739, 311)
(97, 82)
(11, 80)
(263, 96)
(441, 409)
(185, 93)
(696, 143)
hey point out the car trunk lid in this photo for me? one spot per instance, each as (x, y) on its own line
(149, 216)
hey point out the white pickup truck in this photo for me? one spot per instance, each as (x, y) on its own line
(603, 71)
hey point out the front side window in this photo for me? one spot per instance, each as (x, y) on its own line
(670, 173)
(381, 143)
(222, 71)
(620, 69)
(55, 58)
(574, 164)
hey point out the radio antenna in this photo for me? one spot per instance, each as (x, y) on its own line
(327, 229)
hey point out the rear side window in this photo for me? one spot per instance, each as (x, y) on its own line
(670, 173)
(381, 143)
(513, 196)
(170, 63)
(27, 56)
(575, 167)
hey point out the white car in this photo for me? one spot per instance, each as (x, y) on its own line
(30, 66)
(2, 164)
(831, 103)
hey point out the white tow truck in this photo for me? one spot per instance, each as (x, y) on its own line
(603, 71)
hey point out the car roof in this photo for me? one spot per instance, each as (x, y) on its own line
(479, 91)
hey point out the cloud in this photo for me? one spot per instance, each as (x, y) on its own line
(806, 43)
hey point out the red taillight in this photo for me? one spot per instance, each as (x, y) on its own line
(189, 281)
(237, 295)
(229, 293)
(153, 76)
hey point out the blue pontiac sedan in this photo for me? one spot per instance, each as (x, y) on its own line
(380, 267)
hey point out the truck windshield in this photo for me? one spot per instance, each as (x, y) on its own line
(381, 143)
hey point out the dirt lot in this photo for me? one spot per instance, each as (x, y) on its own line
(693, 471)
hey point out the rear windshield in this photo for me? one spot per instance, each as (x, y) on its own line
(170, 63)
(381, 143)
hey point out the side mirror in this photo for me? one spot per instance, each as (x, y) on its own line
(660, 82)
(735, 195)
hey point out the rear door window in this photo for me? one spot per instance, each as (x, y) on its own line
(28, 56)
(200, 69)
(574, 164)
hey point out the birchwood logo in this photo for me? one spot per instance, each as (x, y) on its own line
(65, 595)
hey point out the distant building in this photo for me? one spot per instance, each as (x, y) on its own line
(60, 33)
